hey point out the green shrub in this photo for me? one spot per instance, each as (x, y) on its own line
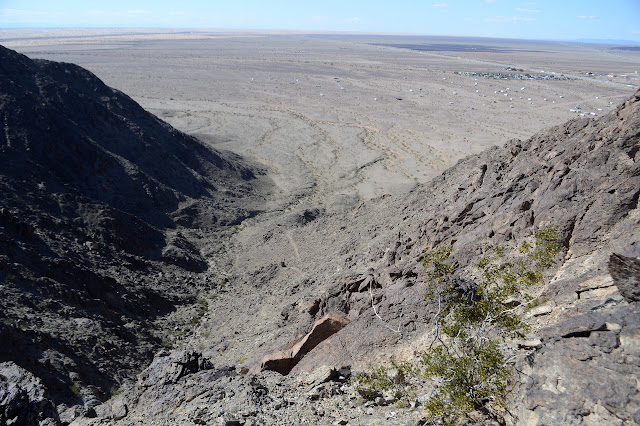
(391, 381)
(467, 359)
(115, 390)
(75, 390)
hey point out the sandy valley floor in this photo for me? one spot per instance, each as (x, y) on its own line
(340, 118)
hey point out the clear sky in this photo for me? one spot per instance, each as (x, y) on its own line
(540, 19)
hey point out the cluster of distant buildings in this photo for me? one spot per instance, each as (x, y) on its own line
(510, 76)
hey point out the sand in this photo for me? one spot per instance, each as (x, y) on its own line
(336, 119)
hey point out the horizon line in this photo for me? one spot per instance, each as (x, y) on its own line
(311, 32)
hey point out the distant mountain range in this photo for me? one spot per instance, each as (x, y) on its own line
(608, 41)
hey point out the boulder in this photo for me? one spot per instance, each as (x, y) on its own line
(168, 368)
(284, 360)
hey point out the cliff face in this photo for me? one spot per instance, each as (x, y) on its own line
(97, 202)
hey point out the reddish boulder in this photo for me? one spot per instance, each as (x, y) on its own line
(284, 360)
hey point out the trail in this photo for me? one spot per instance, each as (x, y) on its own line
(294, 245)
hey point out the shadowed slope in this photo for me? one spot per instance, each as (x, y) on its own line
(93, 193)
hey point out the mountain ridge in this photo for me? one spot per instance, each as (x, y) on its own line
(94, 194)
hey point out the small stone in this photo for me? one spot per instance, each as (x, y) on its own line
(540, 310)
(368, 394)
(530, 344)
(228, 419)
(344, 373)
(599, 281)
(119, 410)
(612, 326)
(90, 413)
(599, 292)
(321, 375)
(512, 302)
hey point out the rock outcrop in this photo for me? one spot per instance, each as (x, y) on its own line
(23, 398)
(585, 371)
(626, 276)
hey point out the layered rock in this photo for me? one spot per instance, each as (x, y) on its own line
(626, 275)
(23, 398)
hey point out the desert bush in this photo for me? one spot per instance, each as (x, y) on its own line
(469, 359)
(390, 381)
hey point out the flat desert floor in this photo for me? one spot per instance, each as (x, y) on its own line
(336, 119)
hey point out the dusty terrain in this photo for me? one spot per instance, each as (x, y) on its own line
(358, 197)
(322, 111)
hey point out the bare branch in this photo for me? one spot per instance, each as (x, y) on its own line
(375, 311)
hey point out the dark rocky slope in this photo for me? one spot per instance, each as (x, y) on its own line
(102, 206)
(580, 365)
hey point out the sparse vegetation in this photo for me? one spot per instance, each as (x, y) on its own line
(10, 278)
(166, 343)
(469, 361)
(535, 302)
(201, 307)
(387, 381)
(75, 390)
(115, 390)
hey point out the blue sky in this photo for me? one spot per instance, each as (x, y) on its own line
(541, 19)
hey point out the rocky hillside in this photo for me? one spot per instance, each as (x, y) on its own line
(311, 297)
(301, 301)
(99, 205)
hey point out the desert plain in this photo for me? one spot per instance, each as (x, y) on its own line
(336, 119)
